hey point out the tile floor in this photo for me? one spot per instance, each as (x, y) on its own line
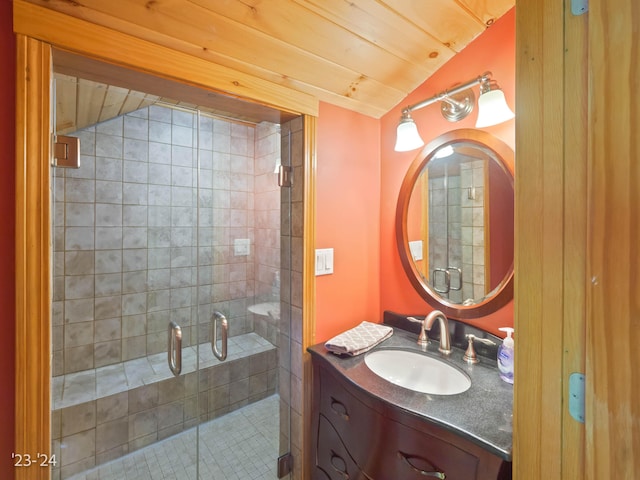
(242, 445)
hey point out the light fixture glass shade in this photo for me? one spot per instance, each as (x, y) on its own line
(407, 136)
(493, 109)
(444, 152)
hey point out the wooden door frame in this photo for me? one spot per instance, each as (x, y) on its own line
(612, 356)
(551, 236)
(33, 255)
(38, 30)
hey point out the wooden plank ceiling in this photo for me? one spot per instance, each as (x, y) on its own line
(363, 55)
(89, 91)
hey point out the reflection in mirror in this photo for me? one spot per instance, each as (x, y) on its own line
(455, 223)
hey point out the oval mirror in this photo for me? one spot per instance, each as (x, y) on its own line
(454, 223)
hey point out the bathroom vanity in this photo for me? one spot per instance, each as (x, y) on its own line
(365, 427)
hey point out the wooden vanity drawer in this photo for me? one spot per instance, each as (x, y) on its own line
(357, 424)
(332, 457)
(412, 453)
(356, 435)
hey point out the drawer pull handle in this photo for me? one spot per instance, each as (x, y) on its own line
(339, 408)
(434, 474)
(339, 464)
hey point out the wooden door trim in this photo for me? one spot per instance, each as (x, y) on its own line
(309, 286)
(576, 214)
(134, 53)
(33, 255)
(538, 241)
(551, 213)
(613, 358)
(33, 244)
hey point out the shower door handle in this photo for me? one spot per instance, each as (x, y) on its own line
(214, 335)
(174, 351)
(447, 280)
(459, 272)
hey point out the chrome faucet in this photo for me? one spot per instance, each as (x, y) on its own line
(445, 338)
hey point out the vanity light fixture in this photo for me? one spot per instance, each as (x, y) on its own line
(444, 152)
(455, 104)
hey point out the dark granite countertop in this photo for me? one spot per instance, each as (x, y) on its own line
(482, 414)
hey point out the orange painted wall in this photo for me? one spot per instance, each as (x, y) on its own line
(494, 50)
(347, 219)
(7, 242)
(358, 181)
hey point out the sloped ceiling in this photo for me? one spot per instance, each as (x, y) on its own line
(363, 55)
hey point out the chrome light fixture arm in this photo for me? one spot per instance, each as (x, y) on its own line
(456, 103)
(447, 94)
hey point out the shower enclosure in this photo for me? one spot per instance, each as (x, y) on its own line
(172, 227)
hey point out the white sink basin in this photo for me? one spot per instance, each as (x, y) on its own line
(417, 372)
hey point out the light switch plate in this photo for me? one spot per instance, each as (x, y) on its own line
(416, 249)
(324, 261)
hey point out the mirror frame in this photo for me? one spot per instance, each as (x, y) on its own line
(505, 155)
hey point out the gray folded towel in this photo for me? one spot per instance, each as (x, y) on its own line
(359, 339)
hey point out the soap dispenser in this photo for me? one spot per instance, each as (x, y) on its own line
(505, 356)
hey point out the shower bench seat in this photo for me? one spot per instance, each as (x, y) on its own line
(104, 413)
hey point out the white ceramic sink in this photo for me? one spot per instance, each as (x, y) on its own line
(417, 372)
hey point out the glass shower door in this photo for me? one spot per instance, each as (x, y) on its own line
(239, 263)
(173, 219)
(124, 270)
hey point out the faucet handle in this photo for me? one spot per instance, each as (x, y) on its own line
(470, 354)
(423, 339)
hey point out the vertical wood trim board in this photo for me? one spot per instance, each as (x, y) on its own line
(538, 263)
(309, 279)
(575, 230)
(613, 308)
(33, 304)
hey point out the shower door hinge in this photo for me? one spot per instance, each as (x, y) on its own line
(284, 176)
(285, 464)
(66, 151)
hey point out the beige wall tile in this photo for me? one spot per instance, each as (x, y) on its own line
(112, 407)
(78, 418)
(79, 446)
(111, 435)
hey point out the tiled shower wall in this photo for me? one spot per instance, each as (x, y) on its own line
(126, 252)
(458, 241)
(472, 185)
(290, 352)
(267, 222)
(444, 231)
